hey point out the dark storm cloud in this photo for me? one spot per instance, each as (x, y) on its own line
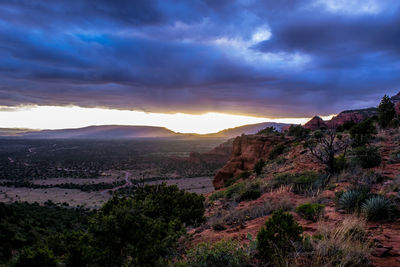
(196, 56)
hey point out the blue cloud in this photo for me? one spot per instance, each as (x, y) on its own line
(272, 58)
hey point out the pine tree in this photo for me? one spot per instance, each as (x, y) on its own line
(386, 111)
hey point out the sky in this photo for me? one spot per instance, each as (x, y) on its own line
(248, 60)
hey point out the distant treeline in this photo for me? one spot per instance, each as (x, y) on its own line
(82, 187)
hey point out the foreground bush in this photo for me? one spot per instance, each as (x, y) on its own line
(367, 156)
(36, 257)
(276, 151)
(339, 164)
(139, 230)
(169, 202)
(298, 131)
(310, 211)
(363, 132)
(241, 191)
(258, 167)
(277, 238)
(221, 254)
(386, 111)
(24, 225)
(143, 229)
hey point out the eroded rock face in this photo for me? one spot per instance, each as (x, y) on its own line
(356, 116)
(316, 123)
(396, 101)
(247, 150)
(351, 115)
(397, 108)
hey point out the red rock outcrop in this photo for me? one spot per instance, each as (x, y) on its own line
(316, 123)
(351, 115)
(247, 150)
(397, 108)
(345, 116)
(396, 101)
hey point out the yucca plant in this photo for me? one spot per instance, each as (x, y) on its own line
(376, 208)
(351, 200)
(348, 200)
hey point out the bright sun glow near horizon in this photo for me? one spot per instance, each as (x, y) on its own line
(62, 117)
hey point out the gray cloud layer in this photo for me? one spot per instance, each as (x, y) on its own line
(195, 56)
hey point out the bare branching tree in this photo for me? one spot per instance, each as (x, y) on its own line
(324, 146)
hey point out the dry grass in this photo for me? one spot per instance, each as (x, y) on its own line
(345, 245)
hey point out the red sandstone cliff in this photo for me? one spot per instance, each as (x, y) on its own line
(351, 115)
(316, 123)
(396, 101)
(247, 150)
(344, 116)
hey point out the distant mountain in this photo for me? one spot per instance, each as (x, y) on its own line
(247, 129)
(13, 131)
(128, 132)
(103, 132)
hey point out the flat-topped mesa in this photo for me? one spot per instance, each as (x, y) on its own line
(247, 150)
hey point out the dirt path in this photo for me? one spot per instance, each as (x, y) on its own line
(127, 184)
(390, 170)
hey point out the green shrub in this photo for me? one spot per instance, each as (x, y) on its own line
(24, 225)
(244, 175)
(339, 164)
(347, 125)
(386, 111)
(230, 181)
(376, 208)
(170, 202)
(216, 195)
(276, 151)
(36, 257)
(367, 156)
(250, 192)
(234, 190)
(243, 191)
(362, 132)
(221, 254)
(301, 182)
(298, 131)
(277, 237)
(218, 225)
(267, 131)
(310, 211)
(144, 229)
(258, 167)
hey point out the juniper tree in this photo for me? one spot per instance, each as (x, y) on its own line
(386, 111)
